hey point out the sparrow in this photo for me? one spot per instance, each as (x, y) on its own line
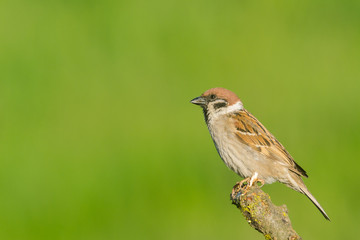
(246, 146)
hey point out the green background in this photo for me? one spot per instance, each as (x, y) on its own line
(98, 139)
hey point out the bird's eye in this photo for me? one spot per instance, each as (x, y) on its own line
(212, 96)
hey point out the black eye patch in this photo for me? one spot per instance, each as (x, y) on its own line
(219, 105)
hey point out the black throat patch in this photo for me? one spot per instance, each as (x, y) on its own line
(206, 116)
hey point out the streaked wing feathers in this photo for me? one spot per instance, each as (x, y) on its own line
(252, 133)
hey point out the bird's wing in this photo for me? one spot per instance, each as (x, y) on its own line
(252, 133)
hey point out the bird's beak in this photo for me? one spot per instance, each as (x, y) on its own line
(199, 101)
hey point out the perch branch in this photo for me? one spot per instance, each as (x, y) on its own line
(270, 220)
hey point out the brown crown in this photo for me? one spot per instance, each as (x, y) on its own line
(223, 93)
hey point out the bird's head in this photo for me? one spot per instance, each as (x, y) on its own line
(218, 101)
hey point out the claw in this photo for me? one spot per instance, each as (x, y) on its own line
(244, 186)
(254, 179)
(233, 191)
(243, 181)
(261, 181)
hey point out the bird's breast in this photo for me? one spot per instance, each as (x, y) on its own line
(236, 155)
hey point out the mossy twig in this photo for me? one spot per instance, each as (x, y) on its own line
(271, 220)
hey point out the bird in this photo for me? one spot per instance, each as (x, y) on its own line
(246, 146)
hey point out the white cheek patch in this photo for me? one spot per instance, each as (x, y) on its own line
(215, 113)
(235, 107)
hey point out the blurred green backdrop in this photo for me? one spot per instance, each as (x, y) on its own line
(98, 139)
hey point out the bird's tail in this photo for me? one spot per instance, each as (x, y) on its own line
(305, 191)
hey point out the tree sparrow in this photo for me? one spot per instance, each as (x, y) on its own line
(246, 146)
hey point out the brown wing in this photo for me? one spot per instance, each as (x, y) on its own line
(252, 133)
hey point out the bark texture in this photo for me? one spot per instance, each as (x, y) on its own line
(270, 220)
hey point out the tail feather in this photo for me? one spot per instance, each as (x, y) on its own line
(315, 202)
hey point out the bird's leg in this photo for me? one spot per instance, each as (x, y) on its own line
(255, 179)
(246, 184)
(250, 183)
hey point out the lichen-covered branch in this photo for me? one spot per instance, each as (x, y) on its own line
(271, 220)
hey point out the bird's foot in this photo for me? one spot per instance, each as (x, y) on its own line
(240, 187)
(244, 183)
(250, 182)
(254, 179)
(244, 186)
(262, 182)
